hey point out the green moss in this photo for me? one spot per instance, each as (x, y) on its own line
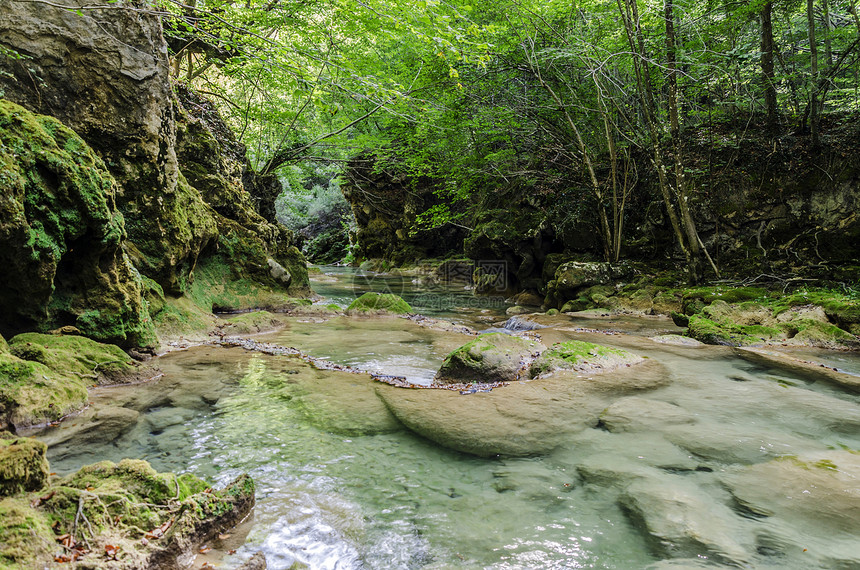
(694, 300)
(580, 355)
(26, 537)
(552, 312)
(62, 236)
(76, 355)
(44, 377)
(31, 393)
(380, 302)
(709, 332)
(253, 322)
(23, 466)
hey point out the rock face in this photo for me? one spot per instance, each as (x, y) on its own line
(386, 206)
(61, 237)
(104, 73)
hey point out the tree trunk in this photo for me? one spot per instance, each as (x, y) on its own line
(813, 84)
(767, 49)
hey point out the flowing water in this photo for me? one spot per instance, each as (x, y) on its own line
(343, 486)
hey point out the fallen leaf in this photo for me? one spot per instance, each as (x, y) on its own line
(224, 536)
(231, 551)
(62, 559)
(38, 501)
(204, 549)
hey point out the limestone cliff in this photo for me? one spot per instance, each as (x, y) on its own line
(188, 219)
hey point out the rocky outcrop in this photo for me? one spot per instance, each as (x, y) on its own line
(61, 237)
(181, 179)
(386, 206)
(103, 72)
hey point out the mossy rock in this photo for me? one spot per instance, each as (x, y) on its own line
(552, 312)
(709, 332)
(694, 300)
(23, 466)
(253, 322)
(62, 236)
(45, 377)
(151, 519)
(582, 356)
(26, 537)
(77, 355)
(380, 302)
(492, 357)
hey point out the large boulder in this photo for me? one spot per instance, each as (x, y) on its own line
(574, 276)
(492, 357)
(61, 237)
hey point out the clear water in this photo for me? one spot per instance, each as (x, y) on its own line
(339, 488)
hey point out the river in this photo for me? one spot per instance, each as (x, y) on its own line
(342, 487)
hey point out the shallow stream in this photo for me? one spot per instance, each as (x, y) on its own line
(341, 485)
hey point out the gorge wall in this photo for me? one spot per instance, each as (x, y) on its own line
(165, 210)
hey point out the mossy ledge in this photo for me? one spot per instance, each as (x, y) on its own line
(44, 377)
(111, 516)
(583, 357)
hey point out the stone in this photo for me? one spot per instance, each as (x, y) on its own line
(492, 357)
(23, 465)
(819, 487)
(517, 310)
(582, 357)
(380, 302)
(681, 521)
(635, 414)
(677, 340)
(724, 443)
(804, 368)
(527, 299)
(521, 418)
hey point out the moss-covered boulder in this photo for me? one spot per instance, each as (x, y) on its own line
(119, 516)
(372, 302)
(61, 237)
(583, 357)
(492, 357)
(573, 277)
(754, 322)
(45, 377)
(23, 466)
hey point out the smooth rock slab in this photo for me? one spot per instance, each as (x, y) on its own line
(641, 414)
(683, 522)
(804, 368)
(823, 487)
(521, 419)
